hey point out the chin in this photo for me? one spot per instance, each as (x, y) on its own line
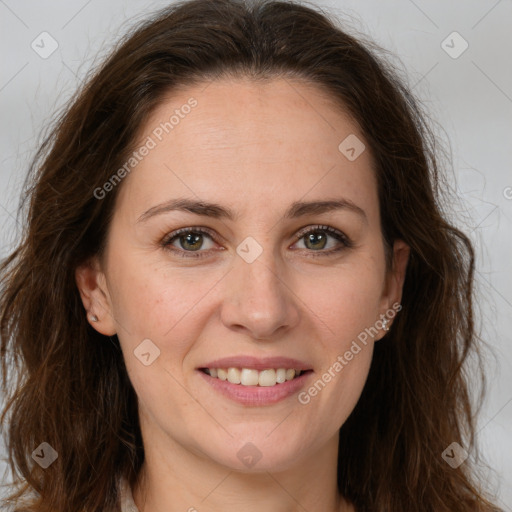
(258, 455)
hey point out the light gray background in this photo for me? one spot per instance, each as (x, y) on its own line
(469, 96)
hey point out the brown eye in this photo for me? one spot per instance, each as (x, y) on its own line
(316, 239)
(192, 241)
(187, 240)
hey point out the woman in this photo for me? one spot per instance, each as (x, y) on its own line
(236, 288)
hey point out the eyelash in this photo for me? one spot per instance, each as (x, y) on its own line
(338, 235)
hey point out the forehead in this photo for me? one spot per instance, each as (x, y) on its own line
(250, 145)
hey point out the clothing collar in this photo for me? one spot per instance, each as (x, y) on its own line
(127, 503)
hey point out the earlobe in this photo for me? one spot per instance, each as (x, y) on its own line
(90, 281)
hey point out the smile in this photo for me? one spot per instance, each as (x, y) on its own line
(251, 377)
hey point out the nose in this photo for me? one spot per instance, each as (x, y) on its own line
(258, 300)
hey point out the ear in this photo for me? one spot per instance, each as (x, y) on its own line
(394, 282)
(91, 283)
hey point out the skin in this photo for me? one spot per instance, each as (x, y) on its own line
(255, 148)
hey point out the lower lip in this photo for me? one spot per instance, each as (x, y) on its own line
(256, 395)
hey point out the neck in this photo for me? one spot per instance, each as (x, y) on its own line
(174, 478)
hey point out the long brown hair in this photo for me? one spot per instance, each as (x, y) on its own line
(67, 385)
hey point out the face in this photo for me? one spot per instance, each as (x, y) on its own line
(266, 272)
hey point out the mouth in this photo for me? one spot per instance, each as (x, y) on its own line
(268, 377)
(255, 381)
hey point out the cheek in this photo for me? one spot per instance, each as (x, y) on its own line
(165, 307)
(349, 311)
(154, 301)
(346, 307)
(346, 301)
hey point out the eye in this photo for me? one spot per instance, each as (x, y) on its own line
(316, 239)
(187, 242)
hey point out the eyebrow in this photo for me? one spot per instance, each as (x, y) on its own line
(296, 210)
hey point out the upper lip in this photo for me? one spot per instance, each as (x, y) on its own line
(257, 363)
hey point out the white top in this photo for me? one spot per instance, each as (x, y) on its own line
(127, 503)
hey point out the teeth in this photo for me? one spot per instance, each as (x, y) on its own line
(251, 377)
(281, 375)
(267, 378)
(234, 375)
(248, 377)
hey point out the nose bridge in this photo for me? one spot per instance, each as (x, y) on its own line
(257, 295)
